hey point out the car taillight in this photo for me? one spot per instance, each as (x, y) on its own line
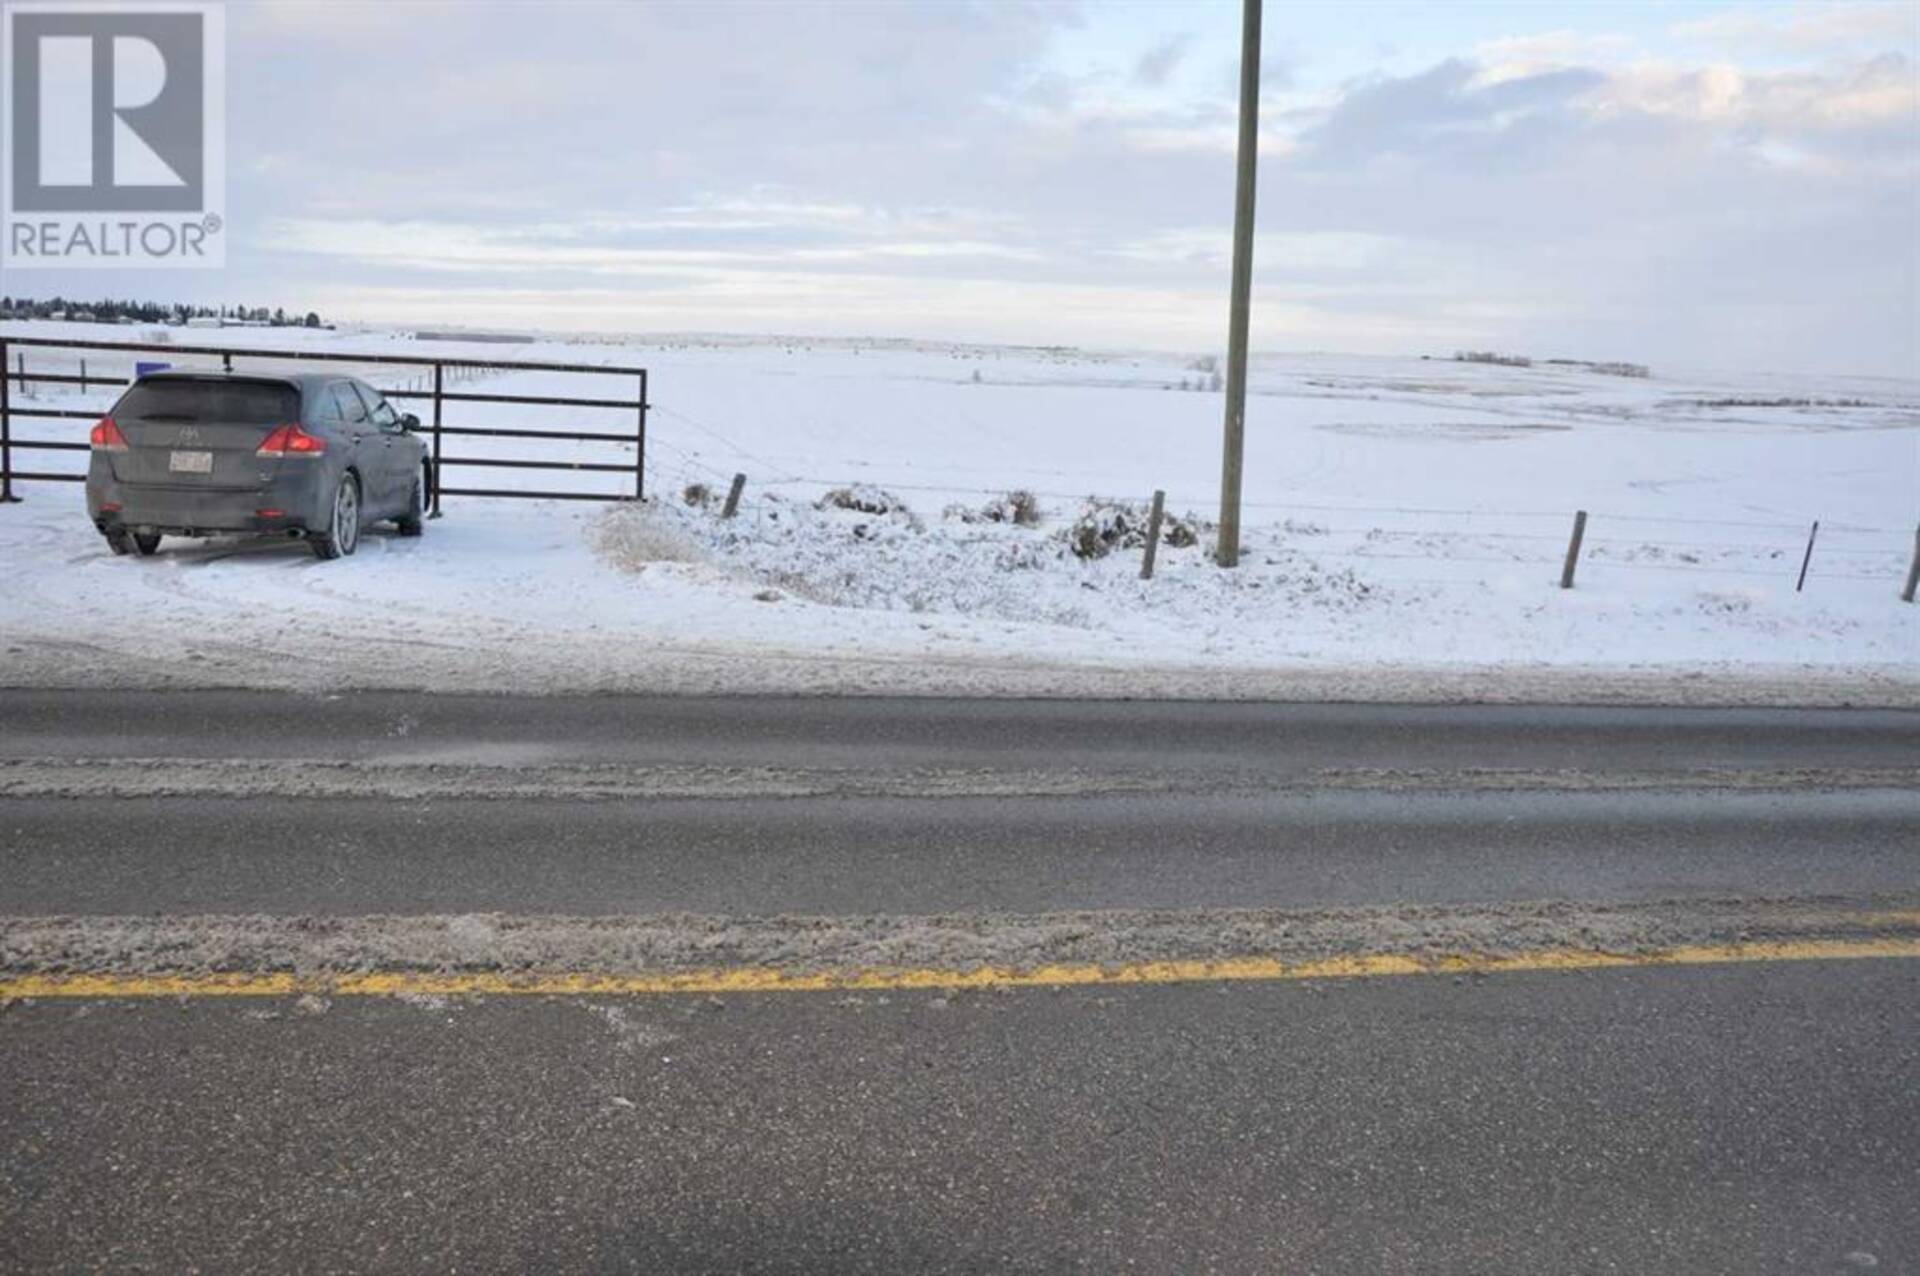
(107, 437)
(291, 440)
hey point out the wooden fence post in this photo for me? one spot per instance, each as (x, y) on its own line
(1573, 549)
(733, 496)
(1913, 570)
(83, 376)
(1153, 534)
(1802, 583)
(21, 360)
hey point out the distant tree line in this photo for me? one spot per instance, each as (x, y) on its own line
(1492, 356)
(1610, 368)
(111, 310)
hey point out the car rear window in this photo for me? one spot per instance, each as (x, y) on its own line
(240, 402)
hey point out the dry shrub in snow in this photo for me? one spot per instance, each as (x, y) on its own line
(863, 498)
(1104, 526)
(1019, 507)
(877, 502)
(631, 536)
(698, 495)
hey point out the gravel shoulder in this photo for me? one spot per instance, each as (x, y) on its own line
(560, 663)
(142, 778)
(322, 947)
(571, 666)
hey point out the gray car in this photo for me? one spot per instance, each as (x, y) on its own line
(211, 454)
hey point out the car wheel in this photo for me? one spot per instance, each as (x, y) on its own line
(148, 543)
(412, 522)
(119, 540)
(342, 536)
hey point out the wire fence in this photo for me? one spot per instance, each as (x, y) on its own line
(1679, 544)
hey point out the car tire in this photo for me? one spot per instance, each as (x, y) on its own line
(342, 535)
(148, 543)
(413, 522)
(119, 540)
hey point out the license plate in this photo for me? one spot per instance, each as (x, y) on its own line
(191, 463)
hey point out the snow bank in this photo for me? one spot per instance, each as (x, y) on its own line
(894, 561)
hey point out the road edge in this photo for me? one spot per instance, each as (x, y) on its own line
(694, 672)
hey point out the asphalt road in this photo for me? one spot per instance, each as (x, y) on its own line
(1177, 737)
(1183, 846)
(1758, 1117)
(1743, 1119)
(937, 855)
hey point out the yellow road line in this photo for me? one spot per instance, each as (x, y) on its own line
(756, 979)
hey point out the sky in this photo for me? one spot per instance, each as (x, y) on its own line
(1731, 185)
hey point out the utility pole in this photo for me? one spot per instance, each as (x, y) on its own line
(1228, 552)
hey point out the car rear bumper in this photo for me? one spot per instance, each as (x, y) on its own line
(283, 506)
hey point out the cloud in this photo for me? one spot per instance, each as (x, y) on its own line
(1711, 213)
(938, 169)
(1450, 110)
(1874, 94)
(1455, 112)
(1157, 65)
(1802, 28)
(1520, 56)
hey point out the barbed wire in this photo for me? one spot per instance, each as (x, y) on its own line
(1715, 569)
(708, 430)
(759, 504)
(778, 479)
(1427, 558)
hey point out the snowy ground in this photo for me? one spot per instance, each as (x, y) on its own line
(1406, 520)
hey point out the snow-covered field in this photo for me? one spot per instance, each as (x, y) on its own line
(1406, 523)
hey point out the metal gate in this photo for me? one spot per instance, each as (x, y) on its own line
(13, 372)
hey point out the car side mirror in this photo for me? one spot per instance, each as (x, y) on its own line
(409, 422)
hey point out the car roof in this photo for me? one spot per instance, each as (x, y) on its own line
(304, 381)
